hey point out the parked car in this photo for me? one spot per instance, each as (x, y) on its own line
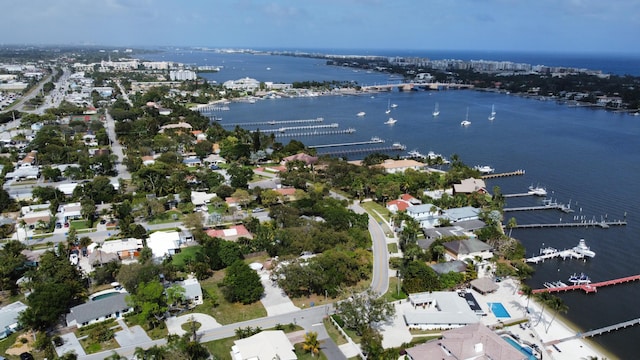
(257, 210)
(66, 224)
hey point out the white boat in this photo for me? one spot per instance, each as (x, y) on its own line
(391, 121)
(579, 279)
(388, 108)
(583, 249)
(361, 113)
(416, 154)
(485, 169)
(537, 191)
(376, 139)
(493, 113)
(394, 105)
(436, 111)
(398, 146)
(466, 121)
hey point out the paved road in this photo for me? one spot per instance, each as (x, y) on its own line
(116, 148)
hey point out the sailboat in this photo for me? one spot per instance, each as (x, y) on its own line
(466, 121)
(436, 110)
(388, 107)
(493, 112)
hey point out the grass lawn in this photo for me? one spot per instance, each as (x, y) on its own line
(226, 312)
(334, 333)
(303, 355)
(392, 294)
(156, 333)
(167, 217)
(378, 211)
(180, 259)
(392, 247)
(79, 224)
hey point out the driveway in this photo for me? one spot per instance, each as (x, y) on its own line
(275, 301)
(70, 344)
(174, 324)
(131, 335)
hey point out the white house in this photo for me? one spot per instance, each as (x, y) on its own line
(438, 310)
(9, 318)
(467, 249)
(192, 290)
(163, 243)
(426, 214)
(271, 344)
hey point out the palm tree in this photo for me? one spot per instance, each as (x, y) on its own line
(527, 291)
(558, 305)
(511, 224)
(311, 343)
(544, 300)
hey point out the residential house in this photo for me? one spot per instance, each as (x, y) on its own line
(9, 318)
(399, 166)
(462, 214)
(306, 158)
(163, 243)
(474, 341)
(231, 234)
(192, 290)
(192, 161)
(438, 310)
(128, 248)
(287, 194)
(401, 204)
(426, 214)
(71, 211)
(97, 310)
(467, 249)
(270, 344)
(200, 198)
(470, 186)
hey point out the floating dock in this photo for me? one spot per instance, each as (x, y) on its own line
(589, 288)
(547, 206)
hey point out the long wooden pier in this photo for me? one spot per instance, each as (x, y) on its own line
(589, 288)
(276, 122)
(599, 331)
(551, 253)
(365, 150)
(504, 174)
(317, 133)
(600, 224)
(372, 141)
(550, 206)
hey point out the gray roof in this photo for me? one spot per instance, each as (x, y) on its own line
(466, 246)
(470, 225)
(425, 243)
(416, 209)
(440, 232)
(9, 314)
(95, 309)
(466, 212)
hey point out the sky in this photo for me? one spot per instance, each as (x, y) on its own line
(584, 26)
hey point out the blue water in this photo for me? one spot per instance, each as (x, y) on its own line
(588, 157)
(498, 310)
(525, 350)
(103, 296)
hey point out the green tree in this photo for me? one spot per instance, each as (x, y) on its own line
(419, 277)
(11, 265)
(241, 284)
(558, 306)
(311, 343)
(150, 302)
(362, 311)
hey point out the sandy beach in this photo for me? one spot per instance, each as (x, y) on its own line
(542, 328)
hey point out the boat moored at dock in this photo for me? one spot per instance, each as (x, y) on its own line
(583, 249)
(579, 279)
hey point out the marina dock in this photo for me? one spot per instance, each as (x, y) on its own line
(317, 133)
(546, 206)
(505, 174)
(551, 253)
(589, 288)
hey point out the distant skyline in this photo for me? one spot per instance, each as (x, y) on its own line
(584, 26)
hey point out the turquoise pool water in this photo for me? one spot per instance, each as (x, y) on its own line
(498, 310)
(102, 296)
(523, 349)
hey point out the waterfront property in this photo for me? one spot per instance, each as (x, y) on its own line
(474, 341)
(467, 249)
(270, 344)
(438, 310)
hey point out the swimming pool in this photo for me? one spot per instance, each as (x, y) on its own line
(523, 349)
(498, 310)
(103, 294)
